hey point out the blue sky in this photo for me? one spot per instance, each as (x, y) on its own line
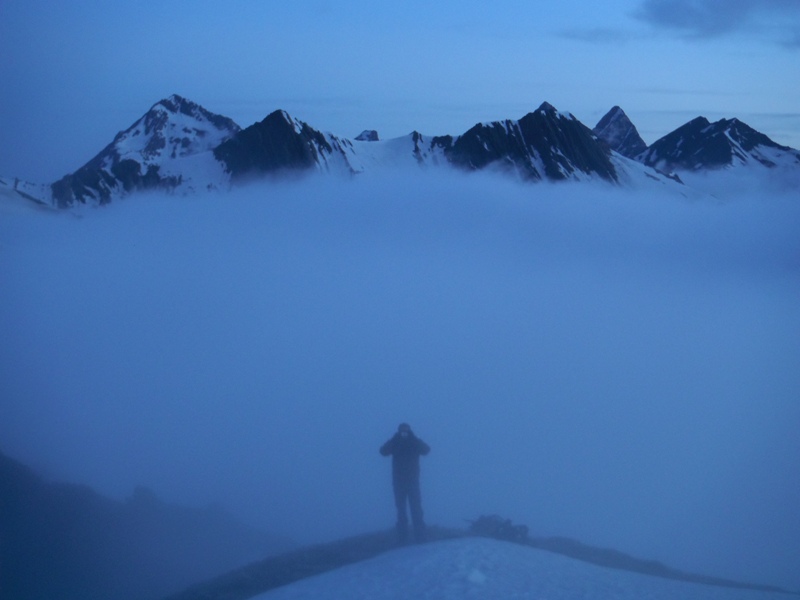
(73, 74)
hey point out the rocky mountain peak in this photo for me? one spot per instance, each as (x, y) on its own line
(368, 135)
(546, 107)
(278, 143)
(617, 130)
(544, 144)
(700, 144)
(175, 127)
(141, 156)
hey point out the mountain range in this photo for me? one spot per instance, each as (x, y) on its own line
(180, 147)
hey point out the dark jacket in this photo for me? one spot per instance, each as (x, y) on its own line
(405, 453)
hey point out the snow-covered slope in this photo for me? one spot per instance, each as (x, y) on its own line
(16, 195)
(412, 150)
(169, 147)
(486, 568)
(635, 176)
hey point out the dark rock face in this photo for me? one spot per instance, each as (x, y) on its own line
(617, 130)
(275, 144)
(544, 144)
(700, 144)
(173, 128)
(368, 135)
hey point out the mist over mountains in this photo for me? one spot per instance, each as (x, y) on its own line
(598, 363)
(180, 147)
(590, 345)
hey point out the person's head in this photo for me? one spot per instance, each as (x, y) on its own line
(404, 429)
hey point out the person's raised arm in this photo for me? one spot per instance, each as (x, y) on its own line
(388, 447)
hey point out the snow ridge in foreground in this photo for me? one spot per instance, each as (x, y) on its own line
(486, 568)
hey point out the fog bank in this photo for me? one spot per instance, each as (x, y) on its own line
(598, 363)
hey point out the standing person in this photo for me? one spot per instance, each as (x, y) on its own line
(405, 449)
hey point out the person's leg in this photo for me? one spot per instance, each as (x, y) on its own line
(400, 496)
(415, 504)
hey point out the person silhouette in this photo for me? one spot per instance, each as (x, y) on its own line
(405, 448)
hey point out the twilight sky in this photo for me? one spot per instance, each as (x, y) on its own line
(74, 74)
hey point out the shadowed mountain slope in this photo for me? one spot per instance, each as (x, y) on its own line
(65, 541)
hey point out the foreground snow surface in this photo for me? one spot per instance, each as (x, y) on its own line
(485, 568)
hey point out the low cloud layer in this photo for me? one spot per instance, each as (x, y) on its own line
(775, 20)
(615, 367)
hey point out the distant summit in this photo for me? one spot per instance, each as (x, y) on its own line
(281, 143)
(177, 127)
(368, 135)
(544, 144)
(617, 130)
(148, 154)
(700, 145)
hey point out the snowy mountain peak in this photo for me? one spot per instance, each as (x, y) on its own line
(177, 103)
(150, 154)
(617, 130)
(700, 144)
(174, 127)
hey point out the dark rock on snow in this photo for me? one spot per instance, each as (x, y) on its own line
(368, 135)
(544, 144)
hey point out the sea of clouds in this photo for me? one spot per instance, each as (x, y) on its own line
(612, 365)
